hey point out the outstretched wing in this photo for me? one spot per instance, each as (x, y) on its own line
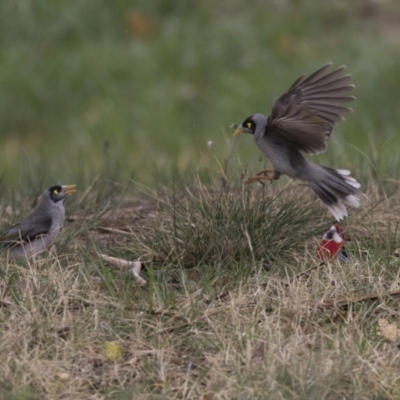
(27, 230)
(308, 112)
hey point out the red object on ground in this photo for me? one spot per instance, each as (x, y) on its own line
(332, 245)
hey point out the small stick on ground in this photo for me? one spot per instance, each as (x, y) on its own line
(103, 229)
(346, 300)
(134, 266)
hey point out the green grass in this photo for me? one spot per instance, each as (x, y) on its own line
(121, 98)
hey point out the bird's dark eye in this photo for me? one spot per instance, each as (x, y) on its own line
(56, 192)
(249, 124)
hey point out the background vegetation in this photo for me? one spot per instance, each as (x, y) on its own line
(134, 88)
(133, 101)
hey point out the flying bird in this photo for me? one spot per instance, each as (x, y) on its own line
(41, 228)
(301, 121)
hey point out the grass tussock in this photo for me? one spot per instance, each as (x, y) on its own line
(205, 226)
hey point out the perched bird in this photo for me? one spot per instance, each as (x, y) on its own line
(332, 245)
(41, 228)
(302, 120)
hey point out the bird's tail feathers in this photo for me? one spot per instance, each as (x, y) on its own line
(342, 256)
(336, 189)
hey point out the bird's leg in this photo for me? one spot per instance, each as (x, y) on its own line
(264, 176)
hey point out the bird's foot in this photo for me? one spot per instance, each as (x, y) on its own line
(262, 176)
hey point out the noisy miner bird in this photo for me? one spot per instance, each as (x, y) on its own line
(332, 245)
(40, 229)
(302, 121)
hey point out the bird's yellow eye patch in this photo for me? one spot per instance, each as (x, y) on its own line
(56, 192)
(248, 124)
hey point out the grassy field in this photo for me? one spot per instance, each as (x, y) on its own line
(122, 98)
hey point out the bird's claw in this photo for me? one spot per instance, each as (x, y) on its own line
(261, 176)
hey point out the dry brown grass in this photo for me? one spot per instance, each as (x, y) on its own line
(220, 328)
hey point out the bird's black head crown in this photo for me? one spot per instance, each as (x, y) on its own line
(249, 125)
(56, 193)
(329, 235)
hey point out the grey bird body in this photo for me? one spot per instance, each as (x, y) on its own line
(302, 120)
(284, 156)
(40, 229)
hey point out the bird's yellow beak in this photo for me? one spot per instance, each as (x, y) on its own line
(238, 131)
(68, 189)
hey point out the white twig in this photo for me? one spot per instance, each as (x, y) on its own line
(134, 266)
